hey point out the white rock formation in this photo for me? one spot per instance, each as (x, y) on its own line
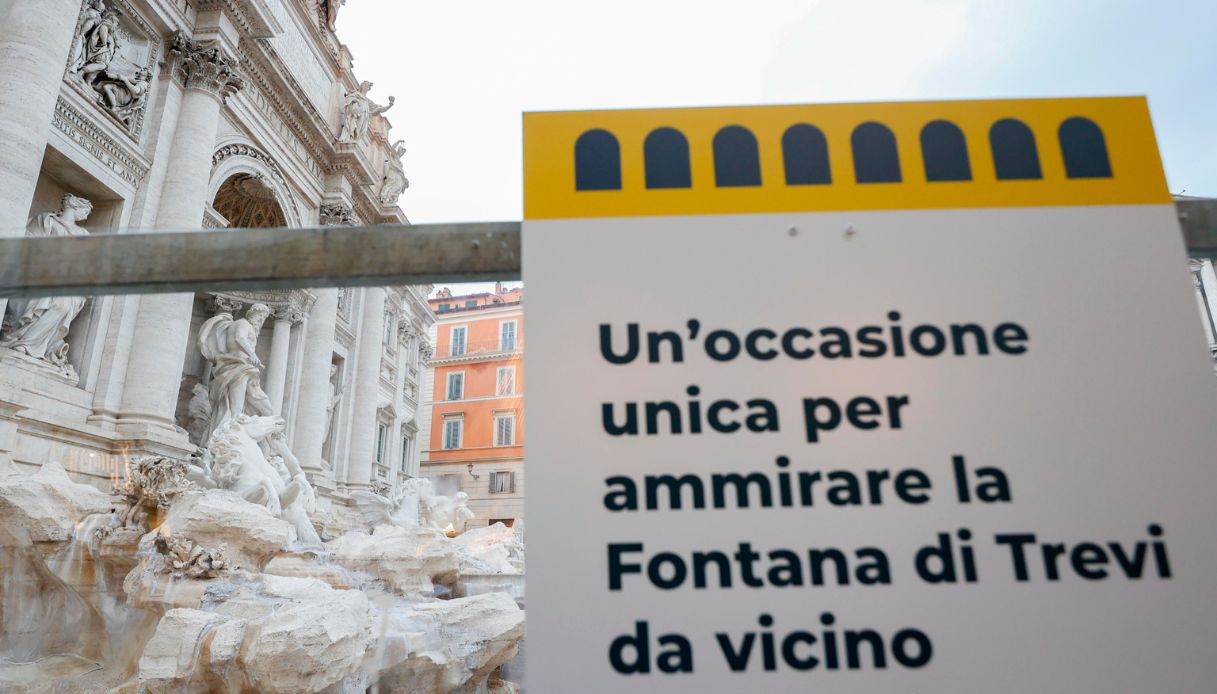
(217, 516)
(45, 506)
(220, 600)
(494, 549)
(409, 561)
(450, 645)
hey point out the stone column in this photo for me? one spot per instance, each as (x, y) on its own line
(318, 356)
(276, 368)
(367, 390)
(34, 45)
(162, 327)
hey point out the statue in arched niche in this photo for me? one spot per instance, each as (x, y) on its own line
(39, 327)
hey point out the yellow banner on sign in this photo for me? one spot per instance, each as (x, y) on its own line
(862, 156)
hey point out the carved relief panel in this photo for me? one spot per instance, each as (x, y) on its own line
(112, 60)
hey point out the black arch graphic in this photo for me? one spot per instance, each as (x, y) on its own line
(1014, 154)
(875, 157)
(597, 161)
(666, 152)
(944, 151)
(1084, 149)
(737, 161)
(805, 155)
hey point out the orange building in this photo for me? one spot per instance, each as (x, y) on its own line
(475, 407)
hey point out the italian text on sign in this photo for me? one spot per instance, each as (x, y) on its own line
(864, 397)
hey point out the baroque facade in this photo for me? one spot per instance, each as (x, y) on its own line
(176, 115)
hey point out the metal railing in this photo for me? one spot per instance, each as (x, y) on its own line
(128, 263)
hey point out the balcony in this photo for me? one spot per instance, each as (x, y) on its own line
(480, 349)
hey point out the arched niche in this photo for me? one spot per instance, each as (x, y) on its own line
(243, 166)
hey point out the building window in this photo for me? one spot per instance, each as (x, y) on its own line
(456, 346)
(445, 307)
(504, 430)
(456, 385)
(390, 329)
(472, 303)
(505, 380)
(453, 431)
(502, 482)
(382, 442)
(406, 452)
(597, 161)
(448, 484)
(507, 336)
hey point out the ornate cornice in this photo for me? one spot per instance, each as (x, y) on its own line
(202, 66)
(252, 17)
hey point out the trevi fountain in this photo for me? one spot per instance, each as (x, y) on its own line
(218, 573)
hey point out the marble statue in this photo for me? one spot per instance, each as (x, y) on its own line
(198, 411)
(94, 57)
(443, 512)
(395, 181)
(331, 8)
(276, 482)
(415, 503)
(90, 19)
(39, 327)
(236, 377)
(100, 48)
(357, 112)
(335, 397)
(123, 95)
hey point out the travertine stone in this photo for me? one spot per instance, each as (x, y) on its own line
(34, 46)
(169, 660)
(316, 390)
(162, 327)
(218, 516)
(451, 645)
(45, 506)
(410, 561)
(367, 390)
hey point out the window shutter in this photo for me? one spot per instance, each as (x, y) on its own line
(492, 482)
(512, 482)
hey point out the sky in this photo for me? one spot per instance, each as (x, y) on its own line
(463, 72)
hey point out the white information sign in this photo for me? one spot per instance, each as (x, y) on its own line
(932, 450)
